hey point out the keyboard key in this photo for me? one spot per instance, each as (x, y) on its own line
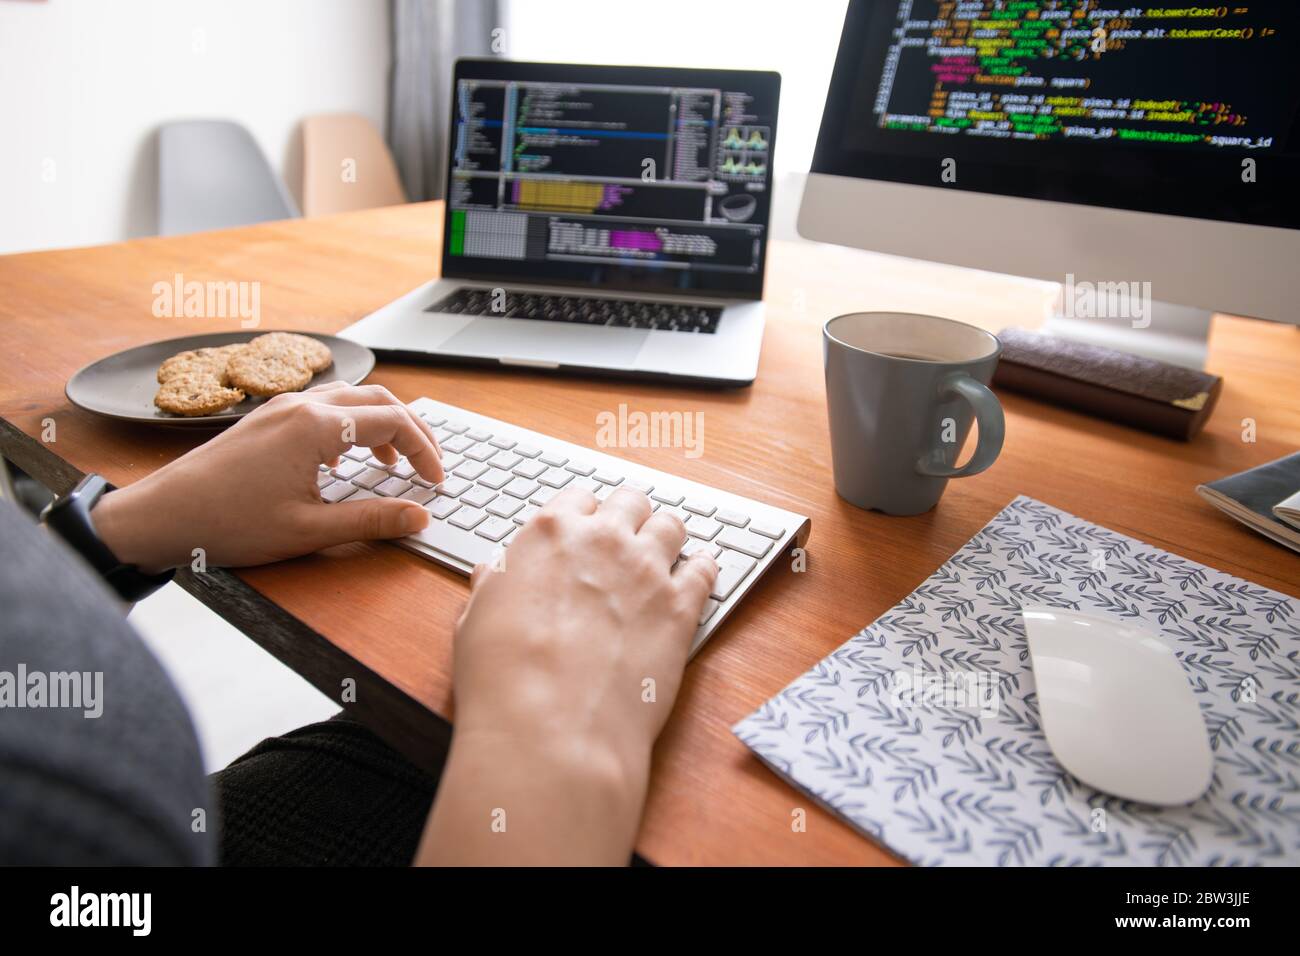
(494, 529)
(480, 452)
(554, 459)
(768, 530)
(706, 612)
(529, 469)
(468, 547)
(733, 518)
(704, 528)
(496, 479)
(467, 518)
(442, 506)
(403, 469)
(528, 451)
(337, 491)
(361, 494)
(580, 468)
(478, 434)
(504, 459)
(421, 496)
(695, 544)
(730, 573)
(454, 486)
(323, 478)
(455, 428)
(450, 462)
(521, 488)
(348, 469)
(587, 484)
(370, 478)
(505, 506)
(699, 507)
(471, 470)
(375, 461)
(393, 487)
(682, 516)
(477, 496)
(739, 560)
(542, 495)
(522, 517)
(637, 484)
(433, 420)
(667, 496)
(555, 478)
(745, 542)
(357, 454)
(606, 477)
(603, 491)
(502, 442)
(457, 444)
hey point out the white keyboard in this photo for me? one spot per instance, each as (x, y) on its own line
(499, 475)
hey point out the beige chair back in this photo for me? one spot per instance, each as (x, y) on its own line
(346, 165)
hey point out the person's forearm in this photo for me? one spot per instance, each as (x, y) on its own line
(502, 801)
(135, 531)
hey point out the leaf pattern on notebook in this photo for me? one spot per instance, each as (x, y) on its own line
(944, 785)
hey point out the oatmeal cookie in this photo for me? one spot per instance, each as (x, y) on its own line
(313, 353)
(263, 373)
(196, 393)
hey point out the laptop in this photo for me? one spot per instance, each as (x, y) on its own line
(599, 219)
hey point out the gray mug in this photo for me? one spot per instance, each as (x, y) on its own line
(901, 392)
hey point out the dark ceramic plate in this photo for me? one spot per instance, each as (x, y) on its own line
(122, 386)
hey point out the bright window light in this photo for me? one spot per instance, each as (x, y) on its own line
(798, 40)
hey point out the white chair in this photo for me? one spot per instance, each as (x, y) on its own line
(213, 175)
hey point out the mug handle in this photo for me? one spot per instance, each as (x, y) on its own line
(992, 430)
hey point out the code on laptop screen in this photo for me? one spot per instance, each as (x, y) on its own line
(664, 178)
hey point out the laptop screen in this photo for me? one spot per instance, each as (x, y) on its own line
(630, 178)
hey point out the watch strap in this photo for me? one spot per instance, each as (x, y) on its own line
(70, 518)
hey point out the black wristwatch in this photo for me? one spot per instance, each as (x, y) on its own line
(69, 517)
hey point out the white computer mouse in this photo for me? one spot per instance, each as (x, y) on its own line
(1116, 707)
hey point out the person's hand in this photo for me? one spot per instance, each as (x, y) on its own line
(249, 495)
(568, 659)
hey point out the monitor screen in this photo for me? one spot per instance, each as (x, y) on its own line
(628, 177)
(1183, 110)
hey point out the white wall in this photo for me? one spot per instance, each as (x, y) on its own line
(85, 83)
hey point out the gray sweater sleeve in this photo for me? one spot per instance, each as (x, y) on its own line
(99, 762)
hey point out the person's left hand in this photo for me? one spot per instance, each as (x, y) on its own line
(249, 495)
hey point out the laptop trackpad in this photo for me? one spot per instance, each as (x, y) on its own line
(557, 342)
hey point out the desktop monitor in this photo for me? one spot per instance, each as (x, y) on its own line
(1129, 151)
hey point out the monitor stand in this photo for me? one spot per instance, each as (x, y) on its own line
(1177, 334)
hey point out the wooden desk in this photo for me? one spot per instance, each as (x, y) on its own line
(384, 617)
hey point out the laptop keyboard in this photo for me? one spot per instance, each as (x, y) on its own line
(499, 475)
(584, 310)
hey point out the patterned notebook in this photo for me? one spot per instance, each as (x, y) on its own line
(923, 732)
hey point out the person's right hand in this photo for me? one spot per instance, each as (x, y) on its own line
(250, 496)
(568, 659)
